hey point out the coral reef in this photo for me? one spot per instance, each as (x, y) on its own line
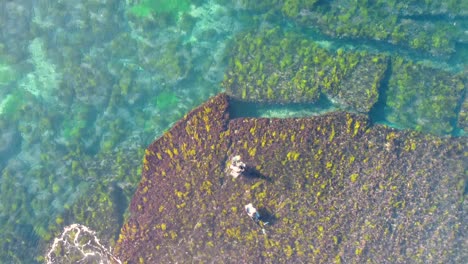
(334, 189)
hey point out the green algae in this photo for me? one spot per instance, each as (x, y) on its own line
(147, 7)
(165, 100)
(272, 66)
(7, 74)
(10, 106)
(415, 24)
(463, 115)
(282, 67)
(423, 98)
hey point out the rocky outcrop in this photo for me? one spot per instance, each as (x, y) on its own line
(332, 188)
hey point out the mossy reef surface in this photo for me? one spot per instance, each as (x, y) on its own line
(332, 187)
(276, 66)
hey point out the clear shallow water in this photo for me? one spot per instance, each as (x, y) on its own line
(86, 86)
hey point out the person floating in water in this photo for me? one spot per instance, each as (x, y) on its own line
(237, 167)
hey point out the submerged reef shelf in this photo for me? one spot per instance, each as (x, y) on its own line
(275, 66)
(333, 187)
(431, 27)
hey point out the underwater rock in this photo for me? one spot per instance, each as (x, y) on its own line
(15, 24)
(432, 27)
(332, 188)
(9, 141)
(277, 67)
(282, 67)
(423, 98)
(359, 88)
(435, 28)
(463, 115)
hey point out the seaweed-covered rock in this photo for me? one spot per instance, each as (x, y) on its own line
(362, 75)
(423, 98)
(332, 188)
(9, 140)
(271, 66)
(100, 211)
(432, 27)
(413, 24)
(434, 8)
(196, 145)
(463, 115)
(276, 67)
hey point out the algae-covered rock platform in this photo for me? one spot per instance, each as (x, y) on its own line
(333, 189)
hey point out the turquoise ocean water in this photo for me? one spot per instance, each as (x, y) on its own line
(86, 85)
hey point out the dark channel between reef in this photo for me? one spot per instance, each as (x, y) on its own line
(335, 189)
